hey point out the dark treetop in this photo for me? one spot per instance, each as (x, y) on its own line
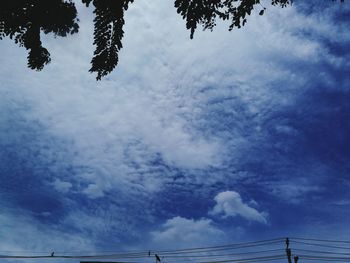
(23, 20)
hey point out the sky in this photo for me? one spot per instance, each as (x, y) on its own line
(229, 137)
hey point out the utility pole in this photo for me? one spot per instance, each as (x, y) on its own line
(157, 258)
(288, 251)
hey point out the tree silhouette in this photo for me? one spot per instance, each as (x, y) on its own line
(108, 33)
(23, 20)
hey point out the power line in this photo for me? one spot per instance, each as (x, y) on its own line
(222, 248)
(110, 256)
(270, 257)
(275, 257)
(321, 252)
(222, 255)
(197, 249)
(248, 252)
(143, 255)
(320, 245)
(168, 253)
(77, 252)
(233, 245)
(323, 258)
(320, 240)
(240, 260)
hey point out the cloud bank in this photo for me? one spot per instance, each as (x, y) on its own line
(263, 110)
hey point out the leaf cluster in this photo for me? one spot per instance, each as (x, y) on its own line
(108, 33)
(23, 20)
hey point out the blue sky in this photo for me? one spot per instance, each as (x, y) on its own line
(228, 137)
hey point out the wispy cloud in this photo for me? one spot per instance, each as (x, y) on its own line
(23, 236)
(176, 123)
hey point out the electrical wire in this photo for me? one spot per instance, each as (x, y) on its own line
(320, 245)
(323, 258)
(246, 244)
(320, 252)
(215, 254)
(266, 258)
(222, 255)
(319, 240)
(144, 255)
(174, 251)
(253, 259)
(223, 248)
(78, 252)
(240, 260)
(107, 256)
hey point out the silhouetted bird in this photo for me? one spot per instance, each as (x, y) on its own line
(52, 254)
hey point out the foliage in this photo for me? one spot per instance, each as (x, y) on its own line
(23, 20)
(108, 33)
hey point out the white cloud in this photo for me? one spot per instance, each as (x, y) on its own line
(23, 234)
(152, 106)
(62, 186)
(93, 191)
(230, 204)
(182, 232)
(153, 103)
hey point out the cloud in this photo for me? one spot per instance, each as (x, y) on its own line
(182, 232)
(184, 105)
(292, 192)
(62, 186)
(93, 191)
(25, 235)
(178, 120)
(230, 204)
